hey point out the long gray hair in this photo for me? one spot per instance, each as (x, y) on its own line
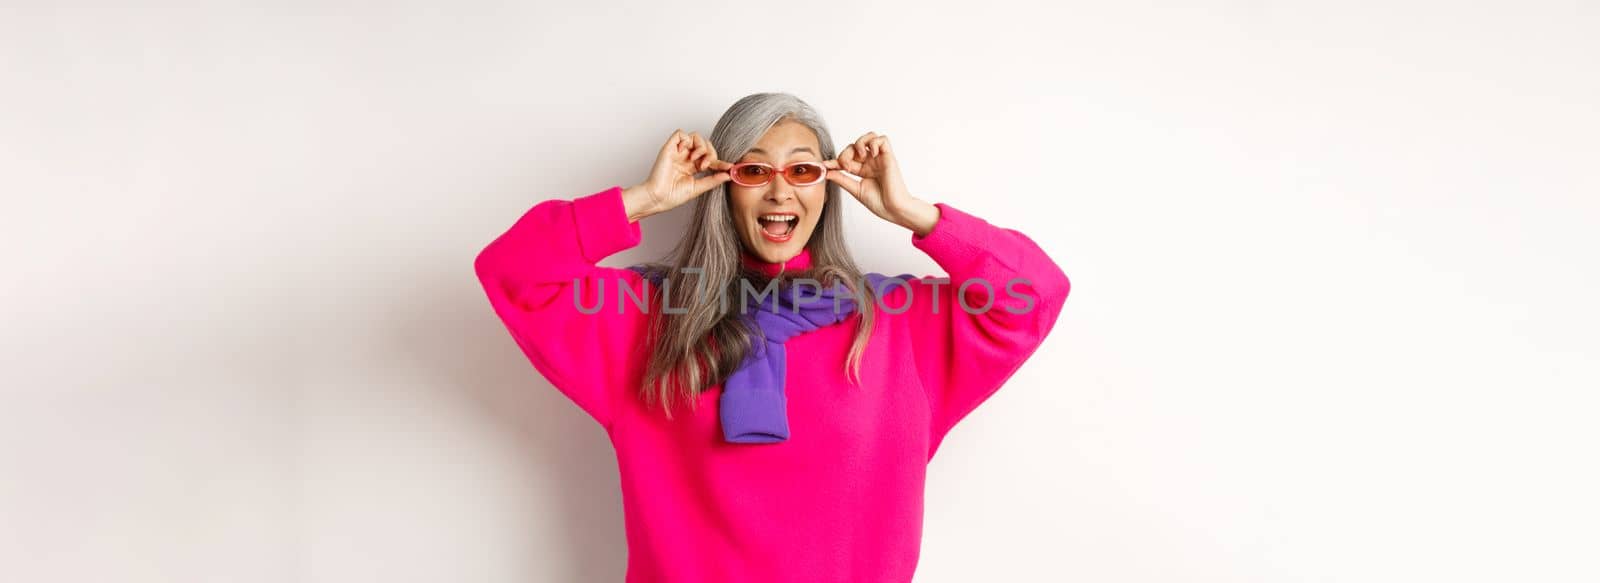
(701, 346)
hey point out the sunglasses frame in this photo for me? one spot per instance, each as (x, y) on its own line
(784, 172)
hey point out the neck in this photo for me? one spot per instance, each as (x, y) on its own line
(800, 262)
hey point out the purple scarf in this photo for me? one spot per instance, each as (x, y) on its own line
(753, 407)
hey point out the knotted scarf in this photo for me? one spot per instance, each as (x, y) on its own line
(753, 407)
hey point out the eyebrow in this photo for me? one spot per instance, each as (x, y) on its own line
(799, 149)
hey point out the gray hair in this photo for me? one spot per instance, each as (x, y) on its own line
(700, 347)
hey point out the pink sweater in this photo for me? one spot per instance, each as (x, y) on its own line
(842, 499)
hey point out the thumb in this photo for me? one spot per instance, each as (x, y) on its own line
(711, 181)
(851, 185)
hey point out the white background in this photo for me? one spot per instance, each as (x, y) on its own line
(1333, 314)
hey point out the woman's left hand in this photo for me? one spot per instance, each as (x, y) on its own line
(880, 187)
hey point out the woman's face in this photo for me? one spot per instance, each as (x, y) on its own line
(776, 241)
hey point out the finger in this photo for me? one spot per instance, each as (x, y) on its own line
(721, 165)
(877, 145)
(699, 157)
(707, 154)
(710, 152)
(830, 164)
(691, 155)
(713, 149)
(685, 145)
(858, 163)
(687, 149)
(671, 144)
(692, 145)
(847, 159)
(851, 185)
(710, 181)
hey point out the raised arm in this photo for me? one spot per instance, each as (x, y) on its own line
(965, 352)
(538, 273)
(543, 280)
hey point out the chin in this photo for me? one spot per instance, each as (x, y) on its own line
(774, 252)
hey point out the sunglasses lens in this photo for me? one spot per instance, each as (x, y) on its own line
(803, 174)
(751, 175)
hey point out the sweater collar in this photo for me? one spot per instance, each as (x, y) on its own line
(799, 262)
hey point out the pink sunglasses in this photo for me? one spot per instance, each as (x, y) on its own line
(760, 173)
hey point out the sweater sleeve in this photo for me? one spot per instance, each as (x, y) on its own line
(568, 314)
(972, 330)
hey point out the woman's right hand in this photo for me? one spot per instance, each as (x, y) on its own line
(672, 180)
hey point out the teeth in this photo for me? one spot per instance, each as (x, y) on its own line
(779, 218)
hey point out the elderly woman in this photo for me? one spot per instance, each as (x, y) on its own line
(809, 396)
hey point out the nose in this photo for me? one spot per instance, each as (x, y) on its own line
(779, 190)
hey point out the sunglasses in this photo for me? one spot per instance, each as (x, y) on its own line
(760, 173)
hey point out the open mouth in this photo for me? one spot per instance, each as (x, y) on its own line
(778, 227)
